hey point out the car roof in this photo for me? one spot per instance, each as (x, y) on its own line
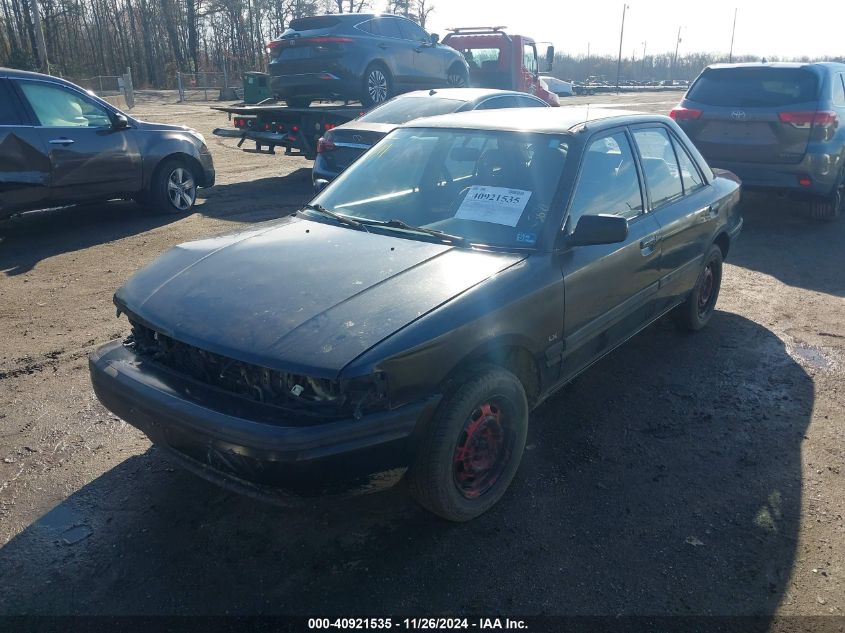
(464, 94)
(779, 65)
(543, 120)
(13, 72)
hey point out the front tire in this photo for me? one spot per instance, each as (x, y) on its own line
(378, 85)
(694, 313)
(470, 454)
(173, 188)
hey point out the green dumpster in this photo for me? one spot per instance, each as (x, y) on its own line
(256, 87)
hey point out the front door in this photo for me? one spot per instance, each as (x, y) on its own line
(24, 164)
(610, 289)
(89, 159)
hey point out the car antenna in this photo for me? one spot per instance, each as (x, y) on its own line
(432, 92)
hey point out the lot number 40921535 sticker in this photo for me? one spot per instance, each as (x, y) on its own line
(497, 205)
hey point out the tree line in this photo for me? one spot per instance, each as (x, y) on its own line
(158, 38)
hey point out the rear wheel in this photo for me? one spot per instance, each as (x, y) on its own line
(457, 77)
(831, 208)
(694, 313)
(471, 452)
(378, 86)
(173, 188)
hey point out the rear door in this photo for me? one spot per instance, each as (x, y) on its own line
(88, 158)
(681, 201)
(611, 289)
(429, 63)
(396, 51)
(24, 165)
(752, 114)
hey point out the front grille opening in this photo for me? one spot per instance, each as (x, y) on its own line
(296, 393)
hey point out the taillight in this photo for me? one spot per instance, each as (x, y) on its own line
(806, 120)
(325, 145)
(684, 114)
(271, 46)
(240, 122)
(329, 126)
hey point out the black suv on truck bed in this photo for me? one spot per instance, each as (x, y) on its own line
(365, 57)
(777, 126)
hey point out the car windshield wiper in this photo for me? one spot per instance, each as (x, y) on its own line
(399, 224)
(335, 216)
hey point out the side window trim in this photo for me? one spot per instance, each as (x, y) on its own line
(592, 139)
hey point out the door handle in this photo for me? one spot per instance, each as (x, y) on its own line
(647, 245)
(709, 212)
(61, 141)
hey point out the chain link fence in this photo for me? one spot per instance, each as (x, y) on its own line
(116, 89)
(205, 86)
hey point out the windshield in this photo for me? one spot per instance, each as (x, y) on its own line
(404, 109)
(486, 187)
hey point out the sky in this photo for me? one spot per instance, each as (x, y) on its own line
(766, 28)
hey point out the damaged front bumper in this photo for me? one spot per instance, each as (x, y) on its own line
(236, 444)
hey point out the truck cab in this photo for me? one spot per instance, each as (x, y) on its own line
(499, 60)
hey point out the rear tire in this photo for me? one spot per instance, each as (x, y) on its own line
(694, 313)
(472, 449)
(377, 85)
(457, 77)
(173, 188)
(830, 209)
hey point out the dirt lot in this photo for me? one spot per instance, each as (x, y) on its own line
(683, 475)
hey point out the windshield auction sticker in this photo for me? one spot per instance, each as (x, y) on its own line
(497, 205)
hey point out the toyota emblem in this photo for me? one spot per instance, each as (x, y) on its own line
(738, 115)
(357, 138)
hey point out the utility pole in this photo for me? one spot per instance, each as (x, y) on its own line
(619, 61)
(643, 73)
(39, 38)
(733, 32)
(675, 60)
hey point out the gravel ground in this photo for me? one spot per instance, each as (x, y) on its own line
(684, 474)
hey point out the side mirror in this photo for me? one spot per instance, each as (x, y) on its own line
(550, 58)
(599, 229)
(435, 39)
(320, 184)
(120, 122)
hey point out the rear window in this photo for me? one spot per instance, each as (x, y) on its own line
(755, 87)
(408, 108)
(312, 24)
(8, 111)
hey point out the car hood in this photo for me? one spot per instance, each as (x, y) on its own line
(300, 295)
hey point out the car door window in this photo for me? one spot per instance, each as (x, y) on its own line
(9, 114)
(690, 176)
(388, 27)
(839, 90)
(662, 176)
(497, 103)
(368, 26)
(529, 58)
(608, 182)
(56, 106)
(411, 31)
(527, 102)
